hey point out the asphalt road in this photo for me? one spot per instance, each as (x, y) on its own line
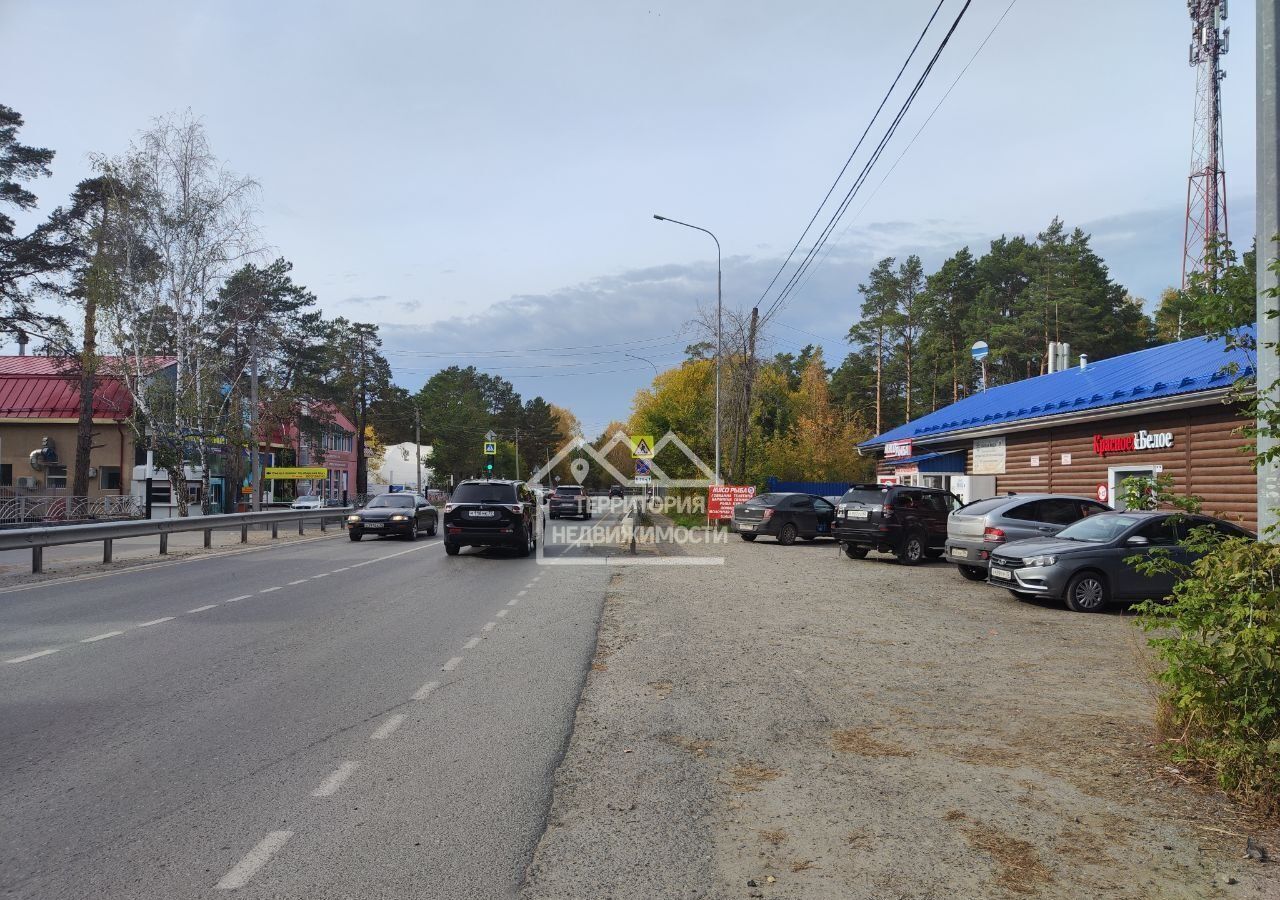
(327, 719)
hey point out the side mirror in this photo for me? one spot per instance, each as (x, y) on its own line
(1137, 541)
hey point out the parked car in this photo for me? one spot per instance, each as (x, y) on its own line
(307, 501)
(785, 516)
(976, 529)
(909, 522)
(490, 513)
(1086, 566)
(403, 514)
(569, 500)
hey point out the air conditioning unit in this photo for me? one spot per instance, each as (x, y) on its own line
(93, 471)
(27, 481)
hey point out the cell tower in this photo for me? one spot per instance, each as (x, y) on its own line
(1207, 186)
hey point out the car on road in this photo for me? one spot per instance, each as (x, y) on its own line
(1086, 564)
(491, 513)
(569, 500)
(908, 521)
(404, 514)
(615, 491)
(308, 501)
(976, 529)
(785, 516)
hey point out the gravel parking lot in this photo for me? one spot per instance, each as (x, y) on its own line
(797, 724)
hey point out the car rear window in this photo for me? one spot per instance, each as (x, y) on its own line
(982, 507)
(864, 495)
(766, 500)
(484, 493)
(571, 490)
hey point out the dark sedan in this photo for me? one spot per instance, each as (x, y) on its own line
(784, 516)
(405, 515)
(1085, 565)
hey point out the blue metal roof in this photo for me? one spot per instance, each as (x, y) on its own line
(1183, 367)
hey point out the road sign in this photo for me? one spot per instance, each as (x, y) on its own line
(644, 479)
(295, 472)
(490, 436)
(642, 446)
(490, 448)
(980, 350)
(642, 467)
(1103, 492)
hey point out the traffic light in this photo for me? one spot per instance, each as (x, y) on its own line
(489, 467)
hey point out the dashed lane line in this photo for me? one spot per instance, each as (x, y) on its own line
(423, 692)
(489, 626)
(299, 581)
(521, 593)
(270, 589)
(101, 637)
(238, 599)
(254, 860)
(330, 785)
(388, 728)
(513, 601)
(451, 664)
(502, 613)
(155, 622)
(472, 644)
(36, 655)
(201, 608)
(321, 575)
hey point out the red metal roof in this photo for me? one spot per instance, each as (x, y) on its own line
(39, 387)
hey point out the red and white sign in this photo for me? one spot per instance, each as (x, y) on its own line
(898, 449)
(1103, 493)
(886, 479)
(1104, 445)
(722, 498)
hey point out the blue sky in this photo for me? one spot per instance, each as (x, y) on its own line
(481, 176)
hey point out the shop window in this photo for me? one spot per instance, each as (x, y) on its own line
(109, 478)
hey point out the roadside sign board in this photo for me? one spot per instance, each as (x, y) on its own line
(1103, 492)
(642, 468)
(642, 446)
(643, 479)
(295, 472)
(722, 498)
(898, 449)
(490, 448)
(980, 350)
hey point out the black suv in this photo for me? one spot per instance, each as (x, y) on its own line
(909, 522)
(490, 513)
(570, 500)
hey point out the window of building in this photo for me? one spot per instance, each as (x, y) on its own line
(6, 475)
(109, 477)
(55, 477)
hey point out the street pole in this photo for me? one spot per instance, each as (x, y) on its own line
(417, 444)
(719, 317)
(1268, 225)
(254, 462)
(517, 454)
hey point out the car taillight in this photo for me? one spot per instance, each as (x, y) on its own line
(995, 535)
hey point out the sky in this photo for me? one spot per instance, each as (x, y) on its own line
(483, 177)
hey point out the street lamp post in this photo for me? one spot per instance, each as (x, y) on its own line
(719, 306)
(643, 360)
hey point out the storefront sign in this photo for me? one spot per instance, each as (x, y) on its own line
(897, 449)
(988, 456)
(901, 471)
(886, 479)
(1104, 445)
(1102, 492)
(722, 498)
(295, 472)
(1035, 462)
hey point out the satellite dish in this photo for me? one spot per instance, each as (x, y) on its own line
(980, 350)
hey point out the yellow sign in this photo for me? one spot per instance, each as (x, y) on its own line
(642, 446)
(313, 473)
(491, 448)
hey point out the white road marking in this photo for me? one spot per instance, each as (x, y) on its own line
(330, 785)
(537, 577)
(299, 581)
(529, 585)
(238, 599)
(155, 622)
(388, 728)
(422, 692)
(513, 601)
(471, 644)
(451, 664)
(201, 608)
(336, 571)
(269, 590)
(489, 626)
(322, 575)
(35, 655)
(254, 860)
(101, 637)
(502, 613)
(521, 593)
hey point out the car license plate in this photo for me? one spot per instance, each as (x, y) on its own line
(482, 514)
(960, 552)
(372, 524)
(859, 514)
(1002, 574)
(746, 528)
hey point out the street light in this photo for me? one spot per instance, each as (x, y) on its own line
(718, 326)
(643, 360)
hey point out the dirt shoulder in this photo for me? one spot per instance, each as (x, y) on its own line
(823, 727)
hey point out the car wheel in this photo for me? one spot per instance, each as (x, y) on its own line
(747, 537)
(787, 536)
(973, 573)
(912, 549)
(853, 551)
(1087, 592)
(355, 535)
(431, 529)
(451, 549)
(412, 534)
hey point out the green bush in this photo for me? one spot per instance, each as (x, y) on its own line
(1221, 647)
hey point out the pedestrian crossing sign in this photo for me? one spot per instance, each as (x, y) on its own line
(490, 447)
(642, 446)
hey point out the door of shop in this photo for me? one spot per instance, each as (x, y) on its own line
(1117, 474)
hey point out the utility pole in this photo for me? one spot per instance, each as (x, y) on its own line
(255, 477)
(417, 443)
(1268, 186)
(1206, 221)
(517, 453)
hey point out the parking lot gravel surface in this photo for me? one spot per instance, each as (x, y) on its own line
(797, 724)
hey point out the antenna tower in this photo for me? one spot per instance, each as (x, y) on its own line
(1207, 186)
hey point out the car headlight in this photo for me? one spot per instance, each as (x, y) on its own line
(353, 518)
(1045, 560)
(398, 518)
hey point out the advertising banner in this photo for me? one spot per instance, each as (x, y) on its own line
(722, 498)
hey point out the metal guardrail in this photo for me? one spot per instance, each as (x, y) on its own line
(36, 539)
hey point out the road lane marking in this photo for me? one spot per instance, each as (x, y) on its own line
(35, 655)
(537, 577)
(502, 613)
(201, 608)
(513, 601)
(451, 664)
(336, 571)
(269, 590)
(521, 593)
(299, 581)
(238, 599)
(330, 785)
(529, 585)
(254, 860)
(422, 692)
(471, 644)
(155, 622)
(101, 637)
(489, 626)
(324, 575)
(388, 728)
